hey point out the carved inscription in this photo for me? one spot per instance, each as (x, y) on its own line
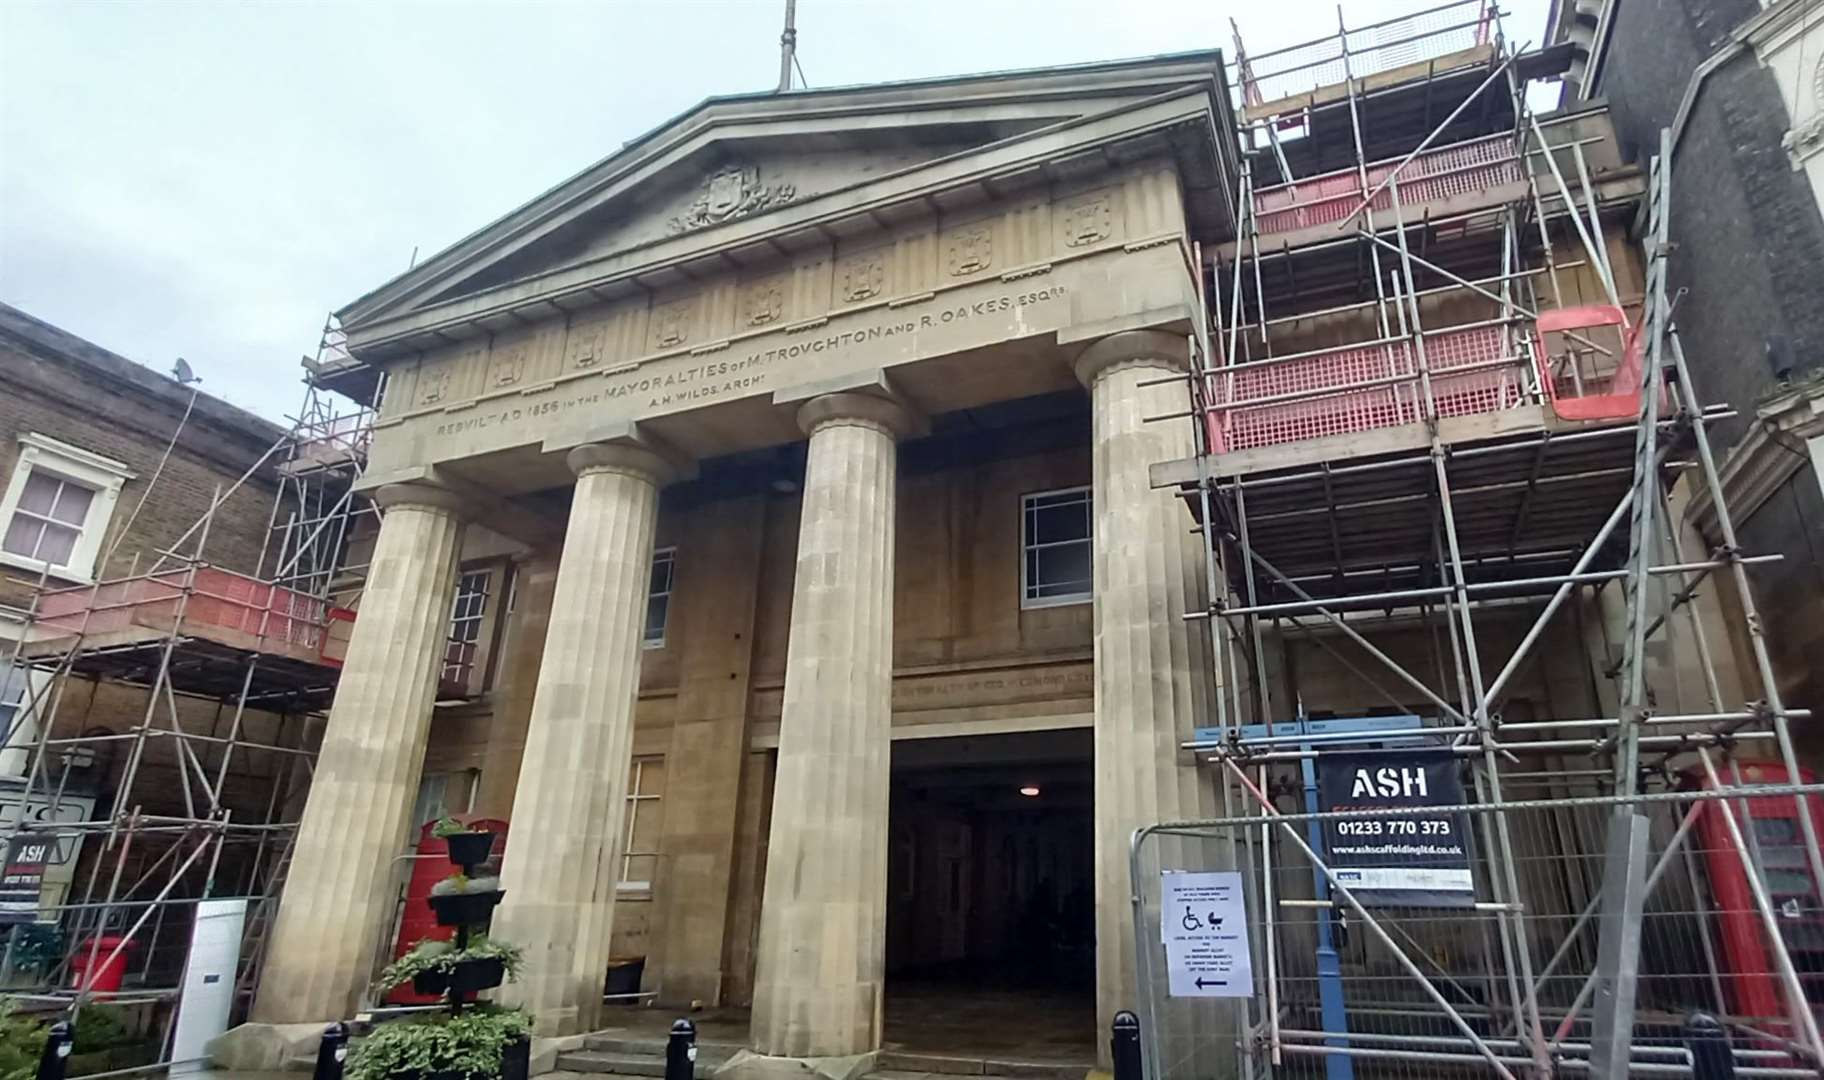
(668, 383)
(942, 691)
(969, 250)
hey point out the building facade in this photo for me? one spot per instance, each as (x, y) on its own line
(108, 471)
(784, 521)
(1740, 86)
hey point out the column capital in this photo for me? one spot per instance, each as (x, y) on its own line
(1132, 348)
(858, 409)
(424, 496)
(619, 457)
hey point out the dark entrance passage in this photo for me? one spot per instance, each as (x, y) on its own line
(991, 897)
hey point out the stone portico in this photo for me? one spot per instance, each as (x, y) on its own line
(824, 277)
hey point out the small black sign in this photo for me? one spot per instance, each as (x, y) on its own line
(1397, 860)
(23, 878)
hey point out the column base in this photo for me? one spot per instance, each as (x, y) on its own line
(257, 1047)
(747, 1065)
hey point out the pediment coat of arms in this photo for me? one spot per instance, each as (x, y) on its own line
(733, 191)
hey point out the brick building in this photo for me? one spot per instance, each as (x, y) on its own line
(105, 466)
(1740, 87)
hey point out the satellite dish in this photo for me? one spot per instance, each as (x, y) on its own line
(180, 370)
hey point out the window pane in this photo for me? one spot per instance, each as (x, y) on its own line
(1068, 521)
(73, 505)
(57, 545)
(645, 825)
(40, 493)
(657, 608)
(661, 572)
(22, 536)
(1062, 570)
(639, 869)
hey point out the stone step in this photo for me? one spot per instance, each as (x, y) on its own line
(601, 1061)
(650, 1047)
(635, 1057)
(899, 1061)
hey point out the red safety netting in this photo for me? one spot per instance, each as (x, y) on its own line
(217, 598)
(1463, 168)
(1377, 387)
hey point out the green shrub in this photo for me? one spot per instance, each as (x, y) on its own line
(444, 956)
(101, 1027)
(21, 1043)
(471, 1043)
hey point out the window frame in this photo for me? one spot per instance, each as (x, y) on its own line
(623, 885)
(464, 675)
(1028, 602)
(670, 555)
(102, 476)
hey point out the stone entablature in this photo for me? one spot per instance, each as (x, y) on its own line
(1000, 272)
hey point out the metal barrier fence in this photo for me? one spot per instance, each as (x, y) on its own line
(1328, 981)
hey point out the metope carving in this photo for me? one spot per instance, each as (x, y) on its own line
(969, 250)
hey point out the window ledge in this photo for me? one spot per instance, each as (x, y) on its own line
(1054, 602)
(61, 574)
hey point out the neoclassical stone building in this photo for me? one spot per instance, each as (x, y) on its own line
(800, 450)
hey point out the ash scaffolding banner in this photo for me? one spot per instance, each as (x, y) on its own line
(23, 879)
(1415, 859)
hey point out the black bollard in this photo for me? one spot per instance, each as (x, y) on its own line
(56, 1056)
(1124, 1046)
(332, 1052)
(681, 1051)
(1711, 1056)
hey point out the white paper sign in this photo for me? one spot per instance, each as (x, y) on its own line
(1204, 926)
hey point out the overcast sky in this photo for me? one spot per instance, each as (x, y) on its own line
(207, 180)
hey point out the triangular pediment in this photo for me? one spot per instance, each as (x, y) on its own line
(721, 175)
(732, 178)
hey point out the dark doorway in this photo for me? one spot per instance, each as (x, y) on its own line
(991, 888)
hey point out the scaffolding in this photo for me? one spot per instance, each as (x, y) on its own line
(229, 675)
(1425, 411)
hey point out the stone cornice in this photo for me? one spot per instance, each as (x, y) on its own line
(1763, 459)
(671, 142)
(376, 335)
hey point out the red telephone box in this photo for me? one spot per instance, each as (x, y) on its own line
(416, 922)
(1777, 845)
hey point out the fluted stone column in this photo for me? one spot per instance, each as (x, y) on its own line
(337, 897)
(564, 850)
(1152, 669)
(822, 951)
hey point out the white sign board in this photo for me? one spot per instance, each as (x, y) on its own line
(208, 986)
(1204, 926)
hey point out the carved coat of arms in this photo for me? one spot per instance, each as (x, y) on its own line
(734, 191)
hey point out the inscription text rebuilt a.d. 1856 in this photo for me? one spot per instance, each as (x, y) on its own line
(684, 381)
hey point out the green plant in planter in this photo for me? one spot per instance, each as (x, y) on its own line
(460, 884)
(471, 1043)
(447, 827)
(442, 957)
